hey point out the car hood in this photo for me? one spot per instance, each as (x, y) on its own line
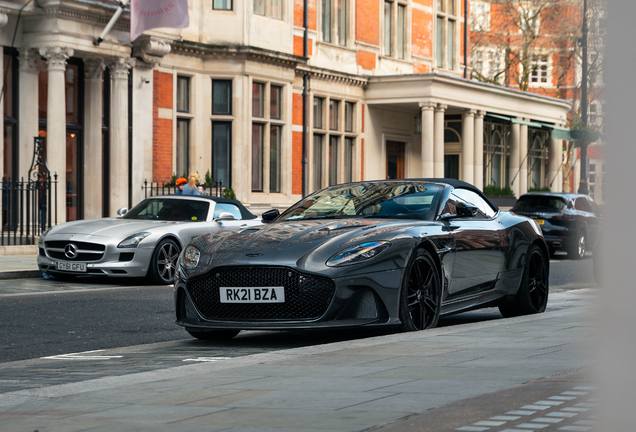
(107, 227)
(294, 243)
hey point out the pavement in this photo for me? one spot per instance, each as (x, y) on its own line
(503, 375)
(19, 267)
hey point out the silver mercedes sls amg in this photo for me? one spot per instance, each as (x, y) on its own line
(143, 242)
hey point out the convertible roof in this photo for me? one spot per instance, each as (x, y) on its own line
(461, 185)
(245, 213)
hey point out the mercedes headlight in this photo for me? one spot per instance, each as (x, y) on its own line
(41, 239)
(133, 240)
(190, 257)
(358, 254)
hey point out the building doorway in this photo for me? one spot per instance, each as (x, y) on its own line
(451, 166)
(394, 160)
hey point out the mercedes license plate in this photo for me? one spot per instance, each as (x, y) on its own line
(252, 294)
(70, 266)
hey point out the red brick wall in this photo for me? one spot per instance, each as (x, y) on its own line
(161, 128)
(298, 46)
(368, 21)
(297, 145)
(422, 33)
(311, 14)
(366, 60)
(421, 68)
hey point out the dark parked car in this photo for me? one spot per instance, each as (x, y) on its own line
(396, 253)
(569, 222)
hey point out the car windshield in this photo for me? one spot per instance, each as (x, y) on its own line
(390, 199)
(178, 210)
(540, 202)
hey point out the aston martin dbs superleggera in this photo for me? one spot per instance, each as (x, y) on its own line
(396, 253)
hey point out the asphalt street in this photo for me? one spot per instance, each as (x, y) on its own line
(52, 317)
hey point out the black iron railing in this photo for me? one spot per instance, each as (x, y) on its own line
(156, 188)
(28, 209)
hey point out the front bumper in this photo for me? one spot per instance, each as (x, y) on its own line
(110, 264)
(364, 300)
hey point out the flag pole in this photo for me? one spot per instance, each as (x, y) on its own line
(111, 23)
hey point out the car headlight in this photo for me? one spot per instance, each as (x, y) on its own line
(41, 239)
(190, 257)
(358, 254)
(133, 240)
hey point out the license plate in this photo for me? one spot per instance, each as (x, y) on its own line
(540, 221)
(252, 294)
(71, 266)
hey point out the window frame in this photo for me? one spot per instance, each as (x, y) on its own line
(187, 80)
(231, 8)
(225, 118)
(446, 15)
(229, 82)
(268, 9)
(268, 123)
(536, 66)
(322, 173)
(392, 30)
(334, 20)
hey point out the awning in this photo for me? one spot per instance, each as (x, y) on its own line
(558, 132)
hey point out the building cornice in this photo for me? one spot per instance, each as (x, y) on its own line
(98, 15)
(239, 51)
(332, 76)
(460, 82)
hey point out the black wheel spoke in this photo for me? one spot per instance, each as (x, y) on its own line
(418, 276)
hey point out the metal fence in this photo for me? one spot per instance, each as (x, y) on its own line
(28, 209)
(154, 189)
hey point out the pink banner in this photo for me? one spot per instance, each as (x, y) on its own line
(149, 14)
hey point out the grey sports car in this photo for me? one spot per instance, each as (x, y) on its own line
(144, 242)
(396, 253)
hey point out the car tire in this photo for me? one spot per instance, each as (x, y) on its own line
(421, 293)
(577, 249)
(163, 264)
(215, 335)
(532, 296)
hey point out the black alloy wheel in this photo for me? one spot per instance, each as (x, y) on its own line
(163, 266)
(213, 335)
(532, 296)
(577, 250)
(420, 296)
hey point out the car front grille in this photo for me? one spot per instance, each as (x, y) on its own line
(85, 251)
(307, 297)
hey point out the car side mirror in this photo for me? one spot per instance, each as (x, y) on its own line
(225, 216)
(270, 215)
(122, 211)
(465, 210)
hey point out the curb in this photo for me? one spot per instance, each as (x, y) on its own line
(20, 274)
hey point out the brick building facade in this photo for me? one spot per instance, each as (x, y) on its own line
(386, 98)
(535, 47)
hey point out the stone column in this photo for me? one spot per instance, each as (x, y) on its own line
(438, 141)
(118, 186)
(479, 150)
(428, 137)
(56, 120)
(523, 158)
(27, 108)
(513, 169)
(93, 111)
(555, 165)
(468, 146)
